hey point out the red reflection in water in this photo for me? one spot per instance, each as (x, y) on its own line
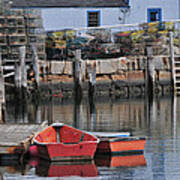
(121, 161)
(61, 169)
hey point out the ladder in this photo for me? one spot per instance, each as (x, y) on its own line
(176, 75)
(175, 67)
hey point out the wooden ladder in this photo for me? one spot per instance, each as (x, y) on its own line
(176, 75)
(175, 66)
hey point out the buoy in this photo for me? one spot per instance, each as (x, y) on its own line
(33, 150)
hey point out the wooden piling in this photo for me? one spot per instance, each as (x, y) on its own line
(91, 68)
(17, 76)
(171, 45)
(77, 86)
(20, 77)
(149, 74)
(77, 75)
(35, 65)
(2, 93)
(23, 68)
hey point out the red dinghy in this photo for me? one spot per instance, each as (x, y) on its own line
(60, 142)
(121, 145)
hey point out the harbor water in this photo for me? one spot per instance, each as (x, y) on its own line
(157, 118)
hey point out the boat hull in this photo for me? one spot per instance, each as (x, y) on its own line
(121, 145)
(64, 152)
(64, 143)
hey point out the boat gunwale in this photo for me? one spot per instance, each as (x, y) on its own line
(65, 144)
(112, 134)
(119, 139)
(81, 142)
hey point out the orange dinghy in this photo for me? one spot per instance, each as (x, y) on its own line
(60, 142)
(121, 145)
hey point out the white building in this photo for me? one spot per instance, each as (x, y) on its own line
(141, 11)
(62, 14)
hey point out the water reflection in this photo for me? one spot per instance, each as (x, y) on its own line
(41, 168)
(138, 115)
(11, 168)
(62, 169)
(132, 160)
(157, 118)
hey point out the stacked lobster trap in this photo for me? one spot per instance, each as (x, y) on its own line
(111, 42)
(20, 27)
(23, 27)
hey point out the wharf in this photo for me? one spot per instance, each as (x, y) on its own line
(15, 139)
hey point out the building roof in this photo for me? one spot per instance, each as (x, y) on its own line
(68, 3)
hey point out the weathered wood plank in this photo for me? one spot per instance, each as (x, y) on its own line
(16, 137)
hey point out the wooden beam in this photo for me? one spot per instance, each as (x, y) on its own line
(2, 91)
(23, 66)
(171, 45)
(35, 64)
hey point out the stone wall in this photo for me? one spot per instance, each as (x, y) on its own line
(119, 76)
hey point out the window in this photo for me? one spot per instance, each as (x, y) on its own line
(154, 14)
(93, 18)
(127, 1)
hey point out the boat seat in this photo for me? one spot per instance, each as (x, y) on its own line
(82, 137)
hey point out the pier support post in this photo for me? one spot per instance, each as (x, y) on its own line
(2, 93)
(77, 86)
(171, 44)
(23, 67)
(20, 70)
(20, 77)
(17, 77)
(2, 89)
(91, 68)
(36, 92)
(77, 75)
(35, 65)
(149, 73)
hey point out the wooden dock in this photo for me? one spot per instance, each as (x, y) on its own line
(15, 138)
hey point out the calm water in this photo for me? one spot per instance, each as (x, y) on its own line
(159, 120)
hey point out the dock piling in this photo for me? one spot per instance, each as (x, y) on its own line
(172, 59)
(91, 68)
(77, 86)
(77, 75)
(2, 89)
(35, 65)
(149, 72)
(20, 77)
(23, 66)
(20, 70)
(17, 77)
(2, 93)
